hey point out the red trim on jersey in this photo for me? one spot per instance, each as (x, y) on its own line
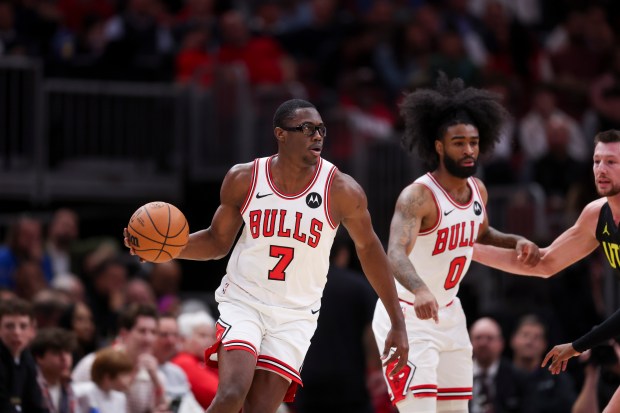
(252, 188)
(454, 397)
(328, 184)
(434, 227)
(272, 185)
(452, 201)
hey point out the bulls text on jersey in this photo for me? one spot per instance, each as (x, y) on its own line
(455, 236)
(271, 222)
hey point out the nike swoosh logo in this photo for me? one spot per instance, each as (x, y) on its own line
(314, 312)
(447, 212)
(259, 196)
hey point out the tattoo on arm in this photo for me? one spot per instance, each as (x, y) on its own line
(403, 269)
(499, 239)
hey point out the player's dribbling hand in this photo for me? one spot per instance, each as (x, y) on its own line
(396, 349)
(425, 305)
(126, 242)
(559, 356)
(527, 252)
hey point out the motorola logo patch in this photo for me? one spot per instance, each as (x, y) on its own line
(314, 200)
(477, 208)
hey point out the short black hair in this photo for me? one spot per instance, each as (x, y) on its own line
(16, 306)
(531, 319)
(428, 113)
(607, 136)
(286, 111)
(129, 316)
(53, 339)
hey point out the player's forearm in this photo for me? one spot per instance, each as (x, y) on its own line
(405, 272)
(202, 246)
(506, 260)
(609, 328)
(499, 239)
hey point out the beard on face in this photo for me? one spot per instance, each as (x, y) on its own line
(614, 190)
(457, 170)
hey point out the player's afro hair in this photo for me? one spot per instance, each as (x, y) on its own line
(428, 113)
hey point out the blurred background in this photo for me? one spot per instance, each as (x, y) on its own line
(108, 104)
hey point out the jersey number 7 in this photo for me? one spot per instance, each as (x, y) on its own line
(286, 255)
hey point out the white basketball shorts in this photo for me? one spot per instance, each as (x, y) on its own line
(278, 337)
(440, 355)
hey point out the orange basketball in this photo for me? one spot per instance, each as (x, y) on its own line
(158, 231)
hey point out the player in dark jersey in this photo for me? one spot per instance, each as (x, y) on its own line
(596, 225)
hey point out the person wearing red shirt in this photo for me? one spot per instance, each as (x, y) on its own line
(197, 332)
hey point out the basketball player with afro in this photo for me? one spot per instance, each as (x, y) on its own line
(436, 222)
(292, 204)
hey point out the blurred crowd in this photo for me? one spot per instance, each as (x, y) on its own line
(87, 325)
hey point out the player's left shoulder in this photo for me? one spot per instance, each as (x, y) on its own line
(347, 195)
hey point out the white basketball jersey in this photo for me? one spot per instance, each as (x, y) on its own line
(282, 256)
(441, 255)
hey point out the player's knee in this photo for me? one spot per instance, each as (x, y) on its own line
(412, 404)
(452, 406)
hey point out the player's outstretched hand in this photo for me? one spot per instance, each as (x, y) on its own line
(126, 242)
(396, 349)
(527, 252)
(559, 356)
(425, 305)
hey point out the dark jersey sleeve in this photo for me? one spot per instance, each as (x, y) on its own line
(608, 329)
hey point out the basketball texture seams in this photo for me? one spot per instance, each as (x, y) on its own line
(158, 231)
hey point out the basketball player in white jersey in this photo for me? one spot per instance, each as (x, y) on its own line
(269, 300)
(436, 222)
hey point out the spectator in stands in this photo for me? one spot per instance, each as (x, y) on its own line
(139, 291)
(194, 63)
(605, 95)
(24, 244)
(342, 370)
(106, 295)
(577, 63)
(79, 319)
(138, 47)
(547, 393)
(52, 348)
(197, 333)
(63, 231)
(29, 279)
(165, 279)
(403, 61)
(265, 61)
(71, 286)
(19, 391)
(533, 127)
(497, 385)
(48, 307)
(111, 373)
(178, 389)
(557, 170)
(138, 329)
